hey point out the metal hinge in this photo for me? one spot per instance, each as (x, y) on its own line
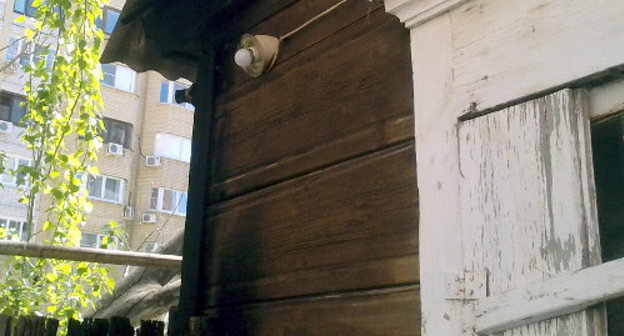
(466, 286)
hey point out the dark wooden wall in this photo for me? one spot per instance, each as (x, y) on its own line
(313, 223)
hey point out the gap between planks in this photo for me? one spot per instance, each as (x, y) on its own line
(317, 170)
(347, 294)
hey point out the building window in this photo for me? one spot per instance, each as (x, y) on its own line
(28, 53)
(118, 132)
(173, 147)
(108, 21)
(105, 188)
(15, 229)
(12, 108)
(119, 77)
(169, 201)
(25, 7)
(167, 93)
(98, 241)
(14, 163)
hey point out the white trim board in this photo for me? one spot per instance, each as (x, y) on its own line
(414, 13)
(543, 300)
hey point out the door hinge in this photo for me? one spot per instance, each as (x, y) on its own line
(466, 286)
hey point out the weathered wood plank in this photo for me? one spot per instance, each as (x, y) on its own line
(540, 301)
(94, 327)
(51, 327)
(376, 313)
(528, 210)
(440, 246)
(318, 106)
(606, 100)
(120, 326)
(363, 141)
(499, 45)
(5, 325)
(152, 328)
(415, 13)
(74, 328)
(347, 227)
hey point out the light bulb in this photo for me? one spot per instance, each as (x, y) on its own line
(244, 57)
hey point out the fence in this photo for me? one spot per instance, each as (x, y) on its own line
(41, 326)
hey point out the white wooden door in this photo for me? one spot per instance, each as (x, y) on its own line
(528, 210)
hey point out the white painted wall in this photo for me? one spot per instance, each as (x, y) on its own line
(481, 54)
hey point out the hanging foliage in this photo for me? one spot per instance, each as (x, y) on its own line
(62, 128)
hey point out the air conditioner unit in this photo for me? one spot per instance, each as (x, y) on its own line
(128, 212)
(152, 161)
(149, 218)
(114, 149)
(6, 126)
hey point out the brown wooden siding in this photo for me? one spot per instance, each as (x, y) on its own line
(314, 197)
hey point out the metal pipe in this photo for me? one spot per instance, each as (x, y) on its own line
(113, 257)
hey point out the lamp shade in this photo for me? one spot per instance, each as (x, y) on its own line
(257, 53)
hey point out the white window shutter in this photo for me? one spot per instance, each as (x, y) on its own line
(528, 209)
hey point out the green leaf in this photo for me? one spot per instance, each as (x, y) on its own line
(51, 277)
(29, 33)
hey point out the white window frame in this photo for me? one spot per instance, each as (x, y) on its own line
(112, 245)
(9, 219)
(13, 179)
(170, 98)
(122, 185)
(159, 201)
(21, 48)
(117, 83)
(163, 140)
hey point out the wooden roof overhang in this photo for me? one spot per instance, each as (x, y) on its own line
(168, 36)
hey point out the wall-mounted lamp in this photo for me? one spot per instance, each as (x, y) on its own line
(257, 53)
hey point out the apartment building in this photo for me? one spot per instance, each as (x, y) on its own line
(143, 165)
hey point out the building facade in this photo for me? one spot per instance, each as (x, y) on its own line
(143, 165)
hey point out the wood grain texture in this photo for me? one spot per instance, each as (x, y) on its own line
(376, 313)
(346, 96)
(528, 207)
(440, 246)
(506, 50)
(312, 227)
(347, 227)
